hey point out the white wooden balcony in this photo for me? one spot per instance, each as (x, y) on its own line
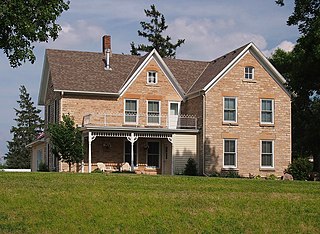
(140, 121)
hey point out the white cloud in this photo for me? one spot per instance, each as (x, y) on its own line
(284, 45)
(78, 34)
(207, 39)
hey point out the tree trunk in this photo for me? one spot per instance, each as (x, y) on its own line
(69, 166)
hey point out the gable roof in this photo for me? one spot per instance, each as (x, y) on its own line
(83, 72)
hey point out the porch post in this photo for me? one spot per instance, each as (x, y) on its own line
(90, 139)
(132, 140)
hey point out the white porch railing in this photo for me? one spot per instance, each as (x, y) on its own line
(140, 120)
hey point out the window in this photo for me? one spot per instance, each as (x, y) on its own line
(56, 111)
(267, 154)
(266, 111)
(249, 73)
(130, 111)
(230, 153)
(153, 154)
(152, 77)
(127, 152)
(230, 109)
(153, 112)
(48, 113)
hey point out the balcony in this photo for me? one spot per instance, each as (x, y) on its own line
(140, 121)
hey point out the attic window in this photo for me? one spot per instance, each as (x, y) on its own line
(152, 77)
(249, 73)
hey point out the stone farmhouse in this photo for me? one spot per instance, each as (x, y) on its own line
(230, 114)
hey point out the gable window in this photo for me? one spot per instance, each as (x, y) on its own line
(153, 158)
(267, 157)
(152, 77)
(229, 153)
(249, 73)
(153, 112)
(230, 109)
(130, 111)
(267, 113)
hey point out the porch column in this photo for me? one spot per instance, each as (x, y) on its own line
(132, 138)
(90, 139)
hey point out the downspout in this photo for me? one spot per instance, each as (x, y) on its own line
(204, 103)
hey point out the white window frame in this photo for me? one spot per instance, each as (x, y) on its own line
(248, 73)
(272, 110)
(236, 153)
(267, 167)
(149, 81)
(236, 110)
(159, 157)
(148, 112)
(124, 111)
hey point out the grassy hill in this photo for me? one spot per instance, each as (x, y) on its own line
(97, 203)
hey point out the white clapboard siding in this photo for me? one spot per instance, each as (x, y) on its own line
(183, 148)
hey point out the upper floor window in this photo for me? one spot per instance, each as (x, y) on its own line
(152, 77)
(153, 112)
(48, 113)
(229, 153)
(267, 157)
(230, 109)
(249, 73)
(130, 111)
(56, 111)
(267, 111)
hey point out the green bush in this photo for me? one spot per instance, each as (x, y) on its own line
(43, 167)
(97, 170)
(230, 174)
(191, 168)
(300, 169)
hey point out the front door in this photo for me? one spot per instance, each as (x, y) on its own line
(173, 114)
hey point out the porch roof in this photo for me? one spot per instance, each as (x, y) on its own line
(141, 132)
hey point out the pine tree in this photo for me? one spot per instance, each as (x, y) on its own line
(66, 141)
(153, 32)
(29, 126)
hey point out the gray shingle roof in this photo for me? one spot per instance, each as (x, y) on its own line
(84, 71)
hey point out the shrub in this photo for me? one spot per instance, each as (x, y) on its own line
(191, 168)
(230, 174)
(300, 169)
(43, 167)
(271, 177)
(97, 170)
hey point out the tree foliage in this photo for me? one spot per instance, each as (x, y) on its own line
(66, 141)
(153, 31)
(301, 69)
(29, 126)
(25, 22)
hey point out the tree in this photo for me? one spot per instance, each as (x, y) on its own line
(66, 141)
(304, 78)
(29, 126)
(153, 31)
(25, 22)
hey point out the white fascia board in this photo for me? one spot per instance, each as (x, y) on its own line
(44, 81)
(162, 65)
(136, 73)
(86, 92)
(231, 64)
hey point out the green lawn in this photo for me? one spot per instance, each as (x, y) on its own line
(97, 203)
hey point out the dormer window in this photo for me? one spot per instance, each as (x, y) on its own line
(152, 77)
(249, 73)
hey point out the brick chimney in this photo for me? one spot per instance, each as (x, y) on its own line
(106, 43)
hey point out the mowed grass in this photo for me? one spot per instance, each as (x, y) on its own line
(97, 203)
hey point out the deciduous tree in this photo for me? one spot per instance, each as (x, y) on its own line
(66, 141)
(25, 22)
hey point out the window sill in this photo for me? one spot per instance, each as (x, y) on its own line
(270, 125)
(130, 124)
(230, 123)
(153, 85)
(267, 169)
(229, 169)
(249, 81)
(153, 126)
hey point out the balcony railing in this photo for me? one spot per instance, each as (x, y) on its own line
(139, 120)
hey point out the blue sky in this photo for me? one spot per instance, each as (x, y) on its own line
(210, 29)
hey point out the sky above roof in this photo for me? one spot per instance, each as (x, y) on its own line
(210, 29)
